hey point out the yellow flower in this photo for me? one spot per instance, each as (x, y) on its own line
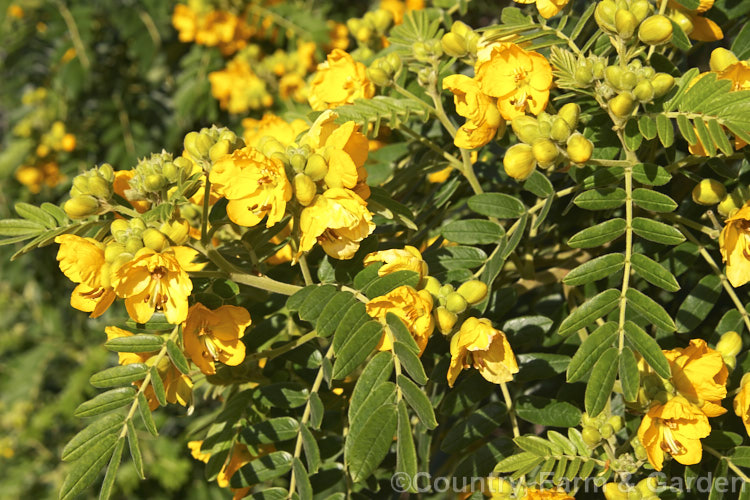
(293, 86)
(519, 79)
(239, 457)
(700, 375)
(490, 352)
(283, 254)
(398, 8)
(675, 428)
(408, 259)
(703, 29)
(439, 176)
(412, 306)
(238, 88)
(338, 220)
(122, 184)
(547, 8)
(255, 186)
(35, 176)
(156, 281)
(212, 28)
(339, 80)
(537, 494)
(211, 336)
(15, 11)
(82, 261)
(274, 126)
(481, 112)
(738, 73)
(177, 386)
(742, 403)
(734, 244)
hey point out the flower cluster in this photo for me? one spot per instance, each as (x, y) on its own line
(213, 28)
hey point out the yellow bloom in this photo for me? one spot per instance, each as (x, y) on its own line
(293, 86)
(703, 29)
(211, 336)
(547, 8)
(439, 176)
(15, 11)
(35, 176)
(338, 220)
(239, 457)
(398, 8)
(82, 261)
(734, 244)
(274, 126)
(412, 306)
(700, 375)
(156, 281)
(339, 35)
(490, 351)
(537, 494)
(519, 79)
(177, 386)
(738, 73)
(238, 89)
(675, 428)
(408, 259)
(339, 80)
(212, 28)
(481, 112)
(742, 403)
(255, 186)
(122, 184)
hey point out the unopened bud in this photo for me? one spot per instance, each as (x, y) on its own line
(730, 204)
(584, 75)
(79, 207)
(81, 183)
(721, 59)
(730, 344)
(177, 231)
(133, 244)
(613, 76)
(570, 113)
(378, 77)
(656, 30)
(519, 161)
(154, 239)
(221, 148)
(382, 20)
(616, 422)
(316, 167)
(605, 15)
(591, 436)
(445, 320)
(304, 189)
(560, 130)
(662, 83)
(363, 34)
(709, 192)
(622, 105)
(454, 45)
(615, 491)
(420, 52)
(112, 251)
(99, 187)
(456, 303)
(298, 162)
(628, 81)
(648, 486)
(640, 9)
(644, 91)
(683, 21)
(137, 225)
(196, 145)
(119, 225)
(625, 23)
(432, 285)
(545, 152)
(107, 172)
(473, 291)
(526, 128)
(607, 431)
(461, 29)
(154, 182)
(394, 60)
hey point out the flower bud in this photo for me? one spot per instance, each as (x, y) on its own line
(304, 189)
(82, 206)
(605, 15)
(591, 436)
(81, 183)
(445, 290)
(730, 344)
(640, 9)
(378, 77)
(454, 45)
(570, 113)
(721, 58)
(598, 69)
(473, 291)
(420, 51)
(382, 20)
(709, 192)
(316, 167)
(656, 30)
(472, 42)
(640, 452)
(560, 130)
(154, 182)
(615, 491)
(730, 204)
(584, 75)
(133, 244)
(105, 275)
(112, 251)
(154, 239)
(298, 162)
(622, 105)
(461, 29)
(625, 23)
(456, 303)
(683, 21)
(648, 487)
(613, 76)
(99, 187)
(171, 172)
(526, 128)
(269, 145)
(662, 84)
(628, 81)
(432, 285)
(607, 431)
(445, 320)
(137, 225)
(519, 161)
(395, 62)
(119, 225)
(196, 145)
(644, 91)
(435, 47)
(545, 152)
(221, 148)
(177, 231)
(68, 142)
(363, 34)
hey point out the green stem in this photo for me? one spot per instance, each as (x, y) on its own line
(278, 351)
(628, 254)
(75, 35)
(511, 409)
(206, 207)
(305, 270)
(731, 464)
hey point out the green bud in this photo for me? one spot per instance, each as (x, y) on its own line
(683, 21)
(382, 19)
(721, 59)
(729, 204)
(473, 291)
(526, 128)
(171, 172)
(119, 225)
(154, 239)
(133, 244)
(445, 319)
(378, 77)
(613, 76)
(112, 251)
(625, 23)
(616, 422)
(605, 15)
(281, 156)
(107, 172)
(656, 30)
(579, 148)
(395, 62)
(99, 187)
(607, 431)
(640, 9)
(432, 285)
(628, 80)
(316, 167)
(560, 130)
(584, 75)
(298, 162)
(81, 206)
(598, 69)
(137, 225)
(545, 152)
(730, 344)
(622, 105)
(155, 182)
(271, 146)
(435, 48)
(708, 192)
(221, 148)
(519, 161)
(644, 91)
(662, 84)
(591, 436)
(420, 51)
(446, 290)
(363, 34)
(570, 113)
(304, 189)
(648, 486)
(454, 45)
(460, 28)
(456, 303)
(81, 183)
(640, 452)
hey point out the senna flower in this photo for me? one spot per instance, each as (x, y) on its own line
(400, 7)
(676, 428)
(696, 26)
(178, 387)
(489, 349)
(239, 457)
(412, 306)
(339, 80)
(338, 220)
(156, 281)
(255, 186)
(742, 403)
(700, 375)
(408, 259)
(542, 494)
(238, 88)
(482, 116)
(519, 79)
(547, 8)
(734, 244)
(274, 126)
(82, 261)
(214, 335)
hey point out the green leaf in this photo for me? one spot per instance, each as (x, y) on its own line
(382, 394)
(105, 402)
(353, 319)
(547, 412)
(294, 302)
(538, 184)
(719, 137)
(540, 365)
(478, 425)
(480, 461)
(654, 273)
(135, 449)
(595, 269)
(283, 395)
(272, 430)
(599, 234)
(377, 371)
(653, 200)
(312, 451)
(406, 454)
(699, 302)
(650, 174)
(646, 346)
(657, 231)
(741, 456)
(314, 303)
(145, 412)
(629, 376)
(111, 474)
(84, 470)
(97, 430)
(384, 284)
(686, 129)
(35, 214)
(58, 213)
(384, 205)
(333, 313)
(418, 400)
(472, 232)
(401, 333)
(178, 359)
(356, 348)
(372, 442)
(410, 362)
(591, 310)
(600, 199)
(647, 126)
(679, 39)
(304, 488)
(601, 382)
(689, 4)
(533, 444)
(665, 130)
(498, 205)
(265, 468)
(649, 309)
(704, 136)
(119, 375)
(519, 461)
(590, 350)
(135, 343)
(316, 410)
(632, 135)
